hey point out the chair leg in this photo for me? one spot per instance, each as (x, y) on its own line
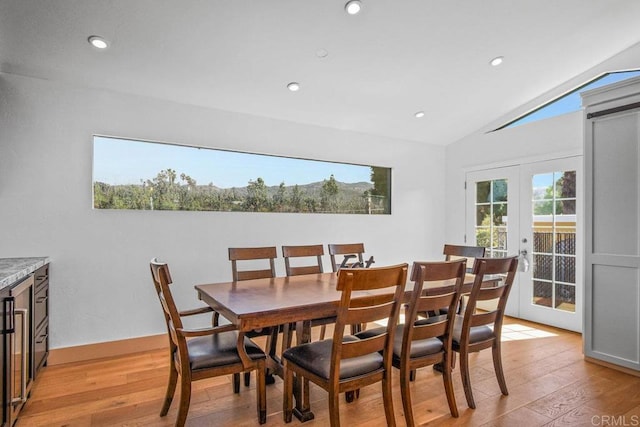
(287, 398)
(185, 399)
(334, 408)
(247, 379)
(171, 389)
(236, 383)
(448, 386)
(497, 366)
(412, 375)
(287, 336)
(466, 379)
(405, 391)
(323, 331)
(261, 389)
(387, 398)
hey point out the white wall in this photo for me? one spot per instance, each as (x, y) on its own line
(100, 285)
(547, 139)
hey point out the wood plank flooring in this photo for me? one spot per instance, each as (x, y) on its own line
(549, 385)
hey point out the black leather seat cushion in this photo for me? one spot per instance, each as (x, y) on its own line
(219, 350)
(419, 348)
(316, 357)
(476, 334)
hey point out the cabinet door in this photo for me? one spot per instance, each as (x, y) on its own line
(612, 274)
(5, 309)
(20, 347)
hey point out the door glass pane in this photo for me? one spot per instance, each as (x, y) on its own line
(482, 215)
(483, 192)
(491, 216)
(566, 185)
(499, 190)
(565, 297)
(542, 293)
(553, 208)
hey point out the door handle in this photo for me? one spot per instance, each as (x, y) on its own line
(9, 315)
(524, 261)
(25, 334)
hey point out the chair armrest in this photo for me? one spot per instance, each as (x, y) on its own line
(206, 331)
(194, 311)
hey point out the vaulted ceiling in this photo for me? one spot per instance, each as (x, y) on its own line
(369, 72)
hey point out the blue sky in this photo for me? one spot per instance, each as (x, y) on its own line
(573, 101)
(121, 161)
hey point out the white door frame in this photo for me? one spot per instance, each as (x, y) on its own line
(519, 189)
(536, 313)
(512, 175)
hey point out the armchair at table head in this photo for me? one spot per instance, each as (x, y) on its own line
(196, 354)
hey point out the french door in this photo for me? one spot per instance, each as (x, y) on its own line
(533, 210)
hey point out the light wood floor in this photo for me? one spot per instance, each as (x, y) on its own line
(549, 384)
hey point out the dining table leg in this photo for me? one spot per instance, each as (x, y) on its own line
(302, 409)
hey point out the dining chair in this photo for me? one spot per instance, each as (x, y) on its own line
(418, 343)
(474, 331)
(452, 253)
(345, 249)
(346, 362)
(250, 255)
(349, 250)
(259, 263)
(306, 251)
(196, 354)
(470, 253)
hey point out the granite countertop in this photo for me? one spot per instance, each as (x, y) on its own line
(14, 269)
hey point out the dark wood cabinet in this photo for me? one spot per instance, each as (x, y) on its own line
(7, 328)
(25, 339)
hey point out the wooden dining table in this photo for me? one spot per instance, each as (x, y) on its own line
(271, 302)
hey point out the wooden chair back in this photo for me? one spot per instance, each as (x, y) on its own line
(250, 254)
(306, 251)
(425, 298)
(162, 280)
(356, 249)
(356, 309)
(470, 253)
(481, 268)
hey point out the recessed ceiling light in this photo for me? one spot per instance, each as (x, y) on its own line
(353, 7)
(98, 42)
(293, 86)
(496, 61)
(322, 53)
(419, 114)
